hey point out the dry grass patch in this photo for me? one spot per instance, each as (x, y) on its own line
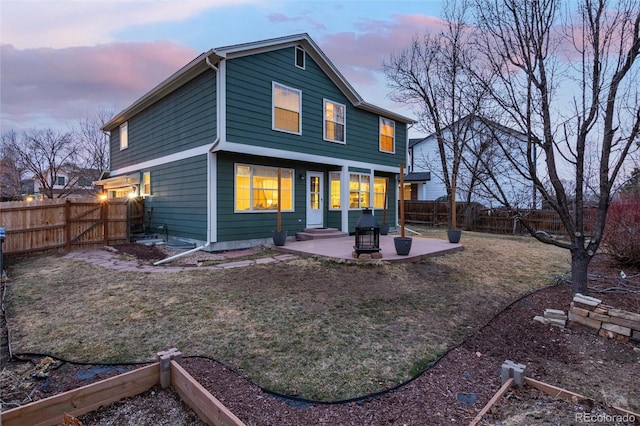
(309, 327)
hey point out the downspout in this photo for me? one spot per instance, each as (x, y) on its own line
(218, 119)
(406, 157)
(210, 205)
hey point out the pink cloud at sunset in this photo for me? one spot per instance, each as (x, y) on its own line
(68, 82)
(360, 55)
(280, 18)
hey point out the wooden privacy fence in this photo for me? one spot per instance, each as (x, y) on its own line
(475, 217)
(63, 224)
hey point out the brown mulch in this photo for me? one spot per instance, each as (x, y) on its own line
(451, 392)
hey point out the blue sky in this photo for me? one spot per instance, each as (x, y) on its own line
(63, 59)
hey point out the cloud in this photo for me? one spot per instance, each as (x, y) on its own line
(67, 23)
(67, 83)
(280, 18)
(360, 55)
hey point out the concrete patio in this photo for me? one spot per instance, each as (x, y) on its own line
(342, 248)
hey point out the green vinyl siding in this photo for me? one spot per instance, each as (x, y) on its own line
(179, 197)
(184, 119)
(249, 110)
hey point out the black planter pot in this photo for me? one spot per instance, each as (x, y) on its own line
(279, 238)
(384, 229)
(403, 245)
(454, 235)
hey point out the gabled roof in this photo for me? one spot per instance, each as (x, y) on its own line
(214, 56)
(473, 117)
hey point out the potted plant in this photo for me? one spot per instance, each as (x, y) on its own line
(384, 228)
(402, 244)
(279, 236)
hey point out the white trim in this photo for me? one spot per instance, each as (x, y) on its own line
(310, 174)
(212, 199)
(380, 134)
(273, 107)
(182, 155)
(221, 109)
(344, 197)
(324, 121)
(301, 156)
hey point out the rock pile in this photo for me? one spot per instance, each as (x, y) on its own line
(555, 317)
(604, 320)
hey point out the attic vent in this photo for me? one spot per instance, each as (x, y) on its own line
(300, 57)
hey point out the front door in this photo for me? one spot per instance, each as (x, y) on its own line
(315, 200)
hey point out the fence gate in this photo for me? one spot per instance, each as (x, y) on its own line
(33, 226)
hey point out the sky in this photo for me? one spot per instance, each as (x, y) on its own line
(62, 60)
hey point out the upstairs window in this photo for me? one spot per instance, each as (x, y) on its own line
(387, 135)
(60, 181)
(287, 109)
(124, 136)
(334, 121)
(300, 57)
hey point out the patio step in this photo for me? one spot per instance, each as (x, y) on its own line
(319, 233)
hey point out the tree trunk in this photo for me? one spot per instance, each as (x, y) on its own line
(579, 266)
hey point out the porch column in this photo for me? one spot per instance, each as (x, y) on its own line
(344, 198)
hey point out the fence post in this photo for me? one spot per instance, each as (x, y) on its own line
(105, 222)
(67, 225)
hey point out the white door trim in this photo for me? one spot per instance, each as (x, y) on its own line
(315, 216)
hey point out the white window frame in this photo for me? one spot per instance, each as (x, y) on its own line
(273, 107)
(385, 197)
(332, 178)
(124, 135)
(393, 125)
(325, 120)
(360, 190)
(144, 184)
(304, 57)
(252, 168)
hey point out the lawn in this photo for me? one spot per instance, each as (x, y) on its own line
(309, 327)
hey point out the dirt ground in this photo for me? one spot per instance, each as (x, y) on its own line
(453, 391)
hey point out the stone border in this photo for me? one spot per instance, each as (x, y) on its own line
(604, 320)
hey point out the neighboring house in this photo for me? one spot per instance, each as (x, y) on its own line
(205, 146)
(483, 174)
(69, 181)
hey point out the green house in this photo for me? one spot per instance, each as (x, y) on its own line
(210, 147)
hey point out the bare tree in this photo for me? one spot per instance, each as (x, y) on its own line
(46, 154)
(432, 75)
(568, 78)
(11, 173)
(94, 150)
